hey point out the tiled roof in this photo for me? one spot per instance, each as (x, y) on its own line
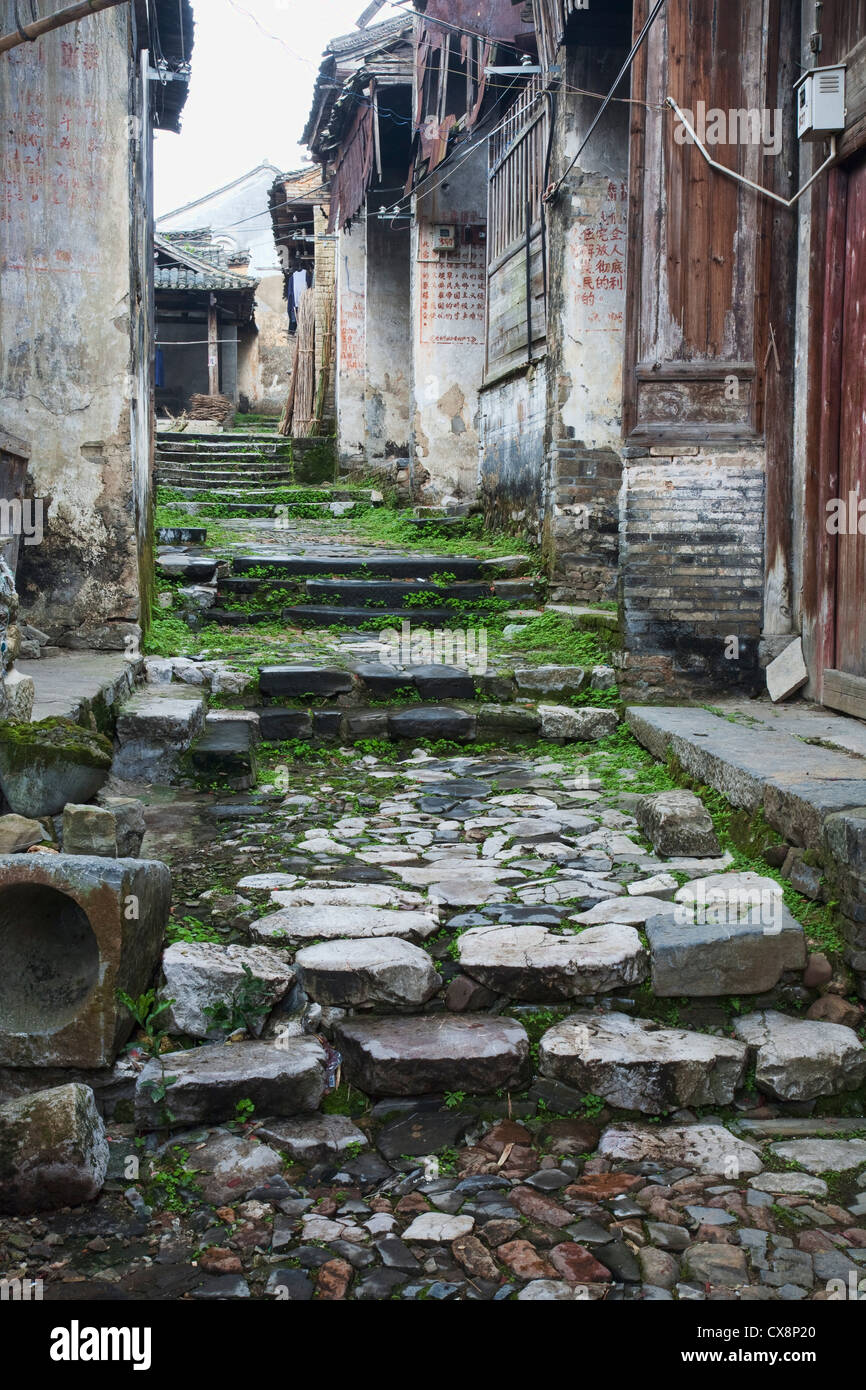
(195, 271)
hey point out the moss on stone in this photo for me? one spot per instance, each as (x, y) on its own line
(54, 740)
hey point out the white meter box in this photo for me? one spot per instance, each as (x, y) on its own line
(821, 103)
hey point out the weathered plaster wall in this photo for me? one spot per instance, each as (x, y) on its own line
(513, 427)
(352, 342)
(71, 307)
(264, 374)
(389, 343)
(448, 313)
(586, 330)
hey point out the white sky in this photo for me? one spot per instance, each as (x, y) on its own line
(250, 95)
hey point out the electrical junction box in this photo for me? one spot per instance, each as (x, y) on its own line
(821, 103)
(444, 238)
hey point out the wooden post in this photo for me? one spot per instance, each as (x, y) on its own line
(213, 349)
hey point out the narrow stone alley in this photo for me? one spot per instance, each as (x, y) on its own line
(432, 674)
(462, 994)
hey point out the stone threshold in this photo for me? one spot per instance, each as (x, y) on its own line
(799, 763)
(85, 687)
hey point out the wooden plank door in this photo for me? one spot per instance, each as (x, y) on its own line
(845, 686)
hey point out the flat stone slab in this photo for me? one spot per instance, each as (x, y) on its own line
(788, 672)
(789, 1184)
(705, 1148)
(745, 957)
(630, 910)
(297, 925)
(637, 1065)
(358, 895)
(794, 782)
(202, 975)
(783, 1127)
(717, 1265)
(531, 962)
(431, 1054)
(386, 971)
(313, 1138)
(437, 1228)
(68, 686)
(432, 721)
(728, 896)
(823, 1155)
(797, 1059)
(288, 1079)
(304, 680)
(550, 680)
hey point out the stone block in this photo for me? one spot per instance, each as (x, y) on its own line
(89, 830)
(47, 764)
(18, 833)
(747, 956)
(676, 822)
(129, 823)
(208, 1082)
(54, 1151)
(75, 929)
(585, 725)
(787, 672)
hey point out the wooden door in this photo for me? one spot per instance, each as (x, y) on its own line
(845, 685)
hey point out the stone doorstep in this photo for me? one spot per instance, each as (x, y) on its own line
(767, 767)
(75, 684)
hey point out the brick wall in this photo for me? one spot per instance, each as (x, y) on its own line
(691, 570)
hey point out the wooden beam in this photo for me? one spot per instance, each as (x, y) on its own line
(29, 33)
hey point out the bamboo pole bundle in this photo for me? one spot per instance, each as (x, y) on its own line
(304, 386)
(286, 417)
(325, 370)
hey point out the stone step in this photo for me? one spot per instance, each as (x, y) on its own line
(194, 569)
(533, 963)
(331, 615)
(709, 1148)
(387, 972)
(229, 509)
(725, 948)
(181, 535)
(186, 479)
(396, 1056)
(226, 752)
(635, 1064)
(200, 975)
(367, 566)
(155, 729)
(354, 593)
(799, 1060)
(297, 926)
(797, 783)
(209, 1081)
(87, 687)
(300, 680)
